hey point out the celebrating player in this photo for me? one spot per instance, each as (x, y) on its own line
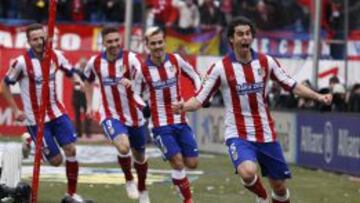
(27, 69)
(121, 117)
(242, 76)
(161, 77)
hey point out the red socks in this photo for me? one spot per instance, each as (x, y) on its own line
(182, 183)
(125, 164)
(72, 171)
(141, 170)
(256, 187)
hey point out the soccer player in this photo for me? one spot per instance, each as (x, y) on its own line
(160, 76)
(242, 76)
(27, 70)
(121, 116)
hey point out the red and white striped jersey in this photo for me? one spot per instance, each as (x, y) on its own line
(244, 88)
(117, 101)
(26, 69)
(163, 84)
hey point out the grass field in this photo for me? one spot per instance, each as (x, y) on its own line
(219, 184)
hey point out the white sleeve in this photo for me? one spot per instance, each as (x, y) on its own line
(89, 72)
(280, 75)
(136, 78)
(64, 64)
(211, 84)
(139, 87)
(15, 71)
(188, 71)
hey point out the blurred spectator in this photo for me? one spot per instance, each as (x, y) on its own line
(161, 13)
(337, 24)
(39, 10)
(189, 16)
(339, 93)
(9, 9)
(226, 7)
(332, 82)
(323, 107)
(113, 10)
(79, 105)
(77, 10)
(305, 103)
(211, 15)
(137, 11)
(354, 100)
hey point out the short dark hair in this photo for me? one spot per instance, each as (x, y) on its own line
(32, 27)
(240, 21)
(108, 29)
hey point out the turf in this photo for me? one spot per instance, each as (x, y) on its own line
(219, 184)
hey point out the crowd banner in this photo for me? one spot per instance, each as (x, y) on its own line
(285, 126)
(329, 141)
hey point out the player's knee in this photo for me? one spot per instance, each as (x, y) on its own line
(247, 172)
(69, 150)
(177, 162)
(122, 144)
(191, 164)
(56, 160)
(123, 149)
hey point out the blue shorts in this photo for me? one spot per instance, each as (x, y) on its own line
(59, 130)
(137, 135)
(268, 155)
(173, 139)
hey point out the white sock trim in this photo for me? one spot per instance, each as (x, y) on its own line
(178, 174)
(141, 163)
(281, 198)
(71, 158)
(249, 184)
(124, 155)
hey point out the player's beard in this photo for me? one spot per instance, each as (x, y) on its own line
(39, 50)
(158, 53)
(114, 51)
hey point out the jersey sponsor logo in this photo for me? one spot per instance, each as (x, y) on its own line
(39, 79)
(246, 88)
(160, 84)
(110, 81)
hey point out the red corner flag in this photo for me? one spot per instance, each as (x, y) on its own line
(45, 64)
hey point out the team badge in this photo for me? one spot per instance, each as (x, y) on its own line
(172, 69)
(261, 72)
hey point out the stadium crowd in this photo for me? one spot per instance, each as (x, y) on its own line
(189, 15)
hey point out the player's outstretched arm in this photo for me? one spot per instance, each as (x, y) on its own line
(304, 91)
(190, 105)
(19, 115)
